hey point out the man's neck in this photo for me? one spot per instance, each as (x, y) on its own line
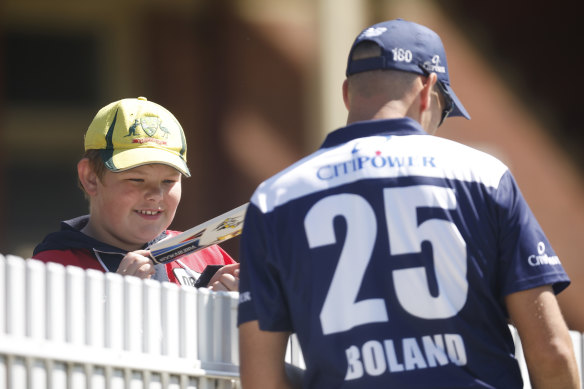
(394, 109)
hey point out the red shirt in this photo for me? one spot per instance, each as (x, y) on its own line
(70, 247)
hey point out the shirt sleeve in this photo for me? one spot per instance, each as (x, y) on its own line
(260, 290)
(526, 256)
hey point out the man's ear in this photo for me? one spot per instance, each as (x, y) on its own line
(346, 93)
(87, 176)
(426, 92)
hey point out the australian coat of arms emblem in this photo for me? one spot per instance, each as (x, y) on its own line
(150, 125)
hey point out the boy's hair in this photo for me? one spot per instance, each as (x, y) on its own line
(96, 164)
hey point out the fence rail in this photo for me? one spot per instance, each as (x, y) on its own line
(68, 328)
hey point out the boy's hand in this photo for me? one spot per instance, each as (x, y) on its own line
(226, 278)
(138, 264)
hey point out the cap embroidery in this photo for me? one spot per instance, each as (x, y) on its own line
(150, 126)
(434, 66)
(132, 129)
(373, 31)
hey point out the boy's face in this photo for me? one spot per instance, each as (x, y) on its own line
(132, 207)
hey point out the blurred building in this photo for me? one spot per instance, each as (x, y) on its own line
(256, 85)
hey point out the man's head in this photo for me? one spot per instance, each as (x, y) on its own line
(399, 45)
(131, 172)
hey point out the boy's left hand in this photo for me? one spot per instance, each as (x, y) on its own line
(226, 278)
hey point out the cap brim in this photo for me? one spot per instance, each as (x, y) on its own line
(458, 109)
(121, 160)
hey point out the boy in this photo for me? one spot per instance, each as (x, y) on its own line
(135, 156)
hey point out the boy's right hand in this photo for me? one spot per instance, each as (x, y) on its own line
(138, 264)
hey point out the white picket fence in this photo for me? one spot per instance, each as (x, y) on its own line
(68, 328)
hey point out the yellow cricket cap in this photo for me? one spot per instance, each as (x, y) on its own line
(135, 132)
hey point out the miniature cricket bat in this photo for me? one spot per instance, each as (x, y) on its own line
(214, 231)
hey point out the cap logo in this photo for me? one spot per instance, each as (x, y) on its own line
(373, 31)
(434, 66)
(402, 55)
(150, 125)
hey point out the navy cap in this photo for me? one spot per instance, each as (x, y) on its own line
(409, 47)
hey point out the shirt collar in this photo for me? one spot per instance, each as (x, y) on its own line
(401, 126)
(77, 224)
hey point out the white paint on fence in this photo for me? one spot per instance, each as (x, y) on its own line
(64, 327)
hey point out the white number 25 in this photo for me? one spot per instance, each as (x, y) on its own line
(341, 311)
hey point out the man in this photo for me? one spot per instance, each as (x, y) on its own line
(397, 257)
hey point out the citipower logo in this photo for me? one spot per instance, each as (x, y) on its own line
(542, 258)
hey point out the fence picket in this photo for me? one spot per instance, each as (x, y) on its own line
(94, 308)
(3, 312)
(75, 305)
(133, 319)
(170, 315)
(188, 323)
(55, 302)
(152, 324)
(15, 293)
(35, 299)
(114, 311)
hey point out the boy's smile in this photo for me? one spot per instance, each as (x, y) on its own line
(132, 207)
(149, 213)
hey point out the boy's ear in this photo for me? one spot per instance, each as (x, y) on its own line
(87, 176)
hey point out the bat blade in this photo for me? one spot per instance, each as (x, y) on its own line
(214, 231)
